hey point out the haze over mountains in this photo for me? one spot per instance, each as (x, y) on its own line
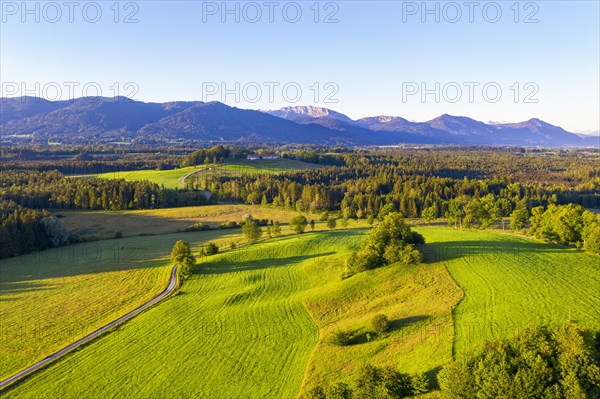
(29, 120)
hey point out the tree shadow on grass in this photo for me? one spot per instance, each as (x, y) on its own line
(399, 324)
(228, 263)
(364, 335)
(432, 377)
(449, 250)
(22, 287)
(116, 255)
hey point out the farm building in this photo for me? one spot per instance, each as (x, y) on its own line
(262, 156)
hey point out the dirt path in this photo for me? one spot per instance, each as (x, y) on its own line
(184, 177)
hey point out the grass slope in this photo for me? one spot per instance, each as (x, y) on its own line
(512, 283)
(241, 328)
(52, 298)
(418, 300)
(256, 322)
(238, 329)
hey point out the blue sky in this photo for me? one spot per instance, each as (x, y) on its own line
(536, 59)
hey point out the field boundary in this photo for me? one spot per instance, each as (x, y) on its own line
(173, 284)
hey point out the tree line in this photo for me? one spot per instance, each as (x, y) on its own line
(214, 155)
(52, 189)
(567, 225)
(23, 230)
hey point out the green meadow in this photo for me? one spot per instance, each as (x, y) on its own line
(172, 178)
(51, 298)
(511, 283)
(168, 178)
(256, 322)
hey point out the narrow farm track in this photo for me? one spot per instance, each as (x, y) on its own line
(49, 359)
(184, 178)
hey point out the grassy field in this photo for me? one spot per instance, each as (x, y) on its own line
(168, 178)
(171, 178)
(512, 283)
(104, 224)
(256, 322)
(268, 309)
(238, 329)
(52, 298)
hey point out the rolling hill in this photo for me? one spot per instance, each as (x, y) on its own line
(256, 322)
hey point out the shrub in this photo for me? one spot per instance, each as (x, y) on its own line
(182, 255)
(251, 230)
(118, 234)
(56, 233)
(198, 227)
(406, 254)
(341, 337)
(392, 241)
(370, 219)
(210, 249)
(382, 383)
(339, 390)
(316, 392)
(592, 240)
(380, 323)
(359, 262)
(298, 224)
(331, 223)
(276, 229)
(420, 384)
(373, 383)
(229, 225)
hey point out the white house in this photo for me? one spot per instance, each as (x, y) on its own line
(262, 156)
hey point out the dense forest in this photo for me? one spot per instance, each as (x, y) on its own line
(411, 181)
(81, 160)
(466, 186)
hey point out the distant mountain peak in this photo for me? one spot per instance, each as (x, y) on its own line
(385, 118)
(310, 110)
(299, 112)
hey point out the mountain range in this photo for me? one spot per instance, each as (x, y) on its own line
(31, 120)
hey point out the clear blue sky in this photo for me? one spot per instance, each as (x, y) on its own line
(377, 57)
